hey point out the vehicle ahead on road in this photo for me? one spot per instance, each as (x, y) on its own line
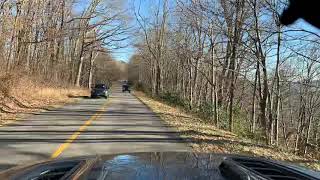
(161, 165)
(126, 88)
(100, 90)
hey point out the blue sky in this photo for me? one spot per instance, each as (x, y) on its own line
(124, 54)
(146, 8)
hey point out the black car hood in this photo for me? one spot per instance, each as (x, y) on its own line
(167, 165)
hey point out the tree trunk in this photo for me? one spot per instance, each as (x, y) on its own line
(278, 95)
(253, 109)
(81, 58)
(310, 119)
(153, 78)
(195, 83)
(235, 43)
(299, 126)
(270, 119)
(78, 78)
(90, 70)
(214, 95)
(158, 77)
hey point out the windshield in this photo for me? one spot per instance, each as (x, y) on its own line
(101, 77)
(100, 86)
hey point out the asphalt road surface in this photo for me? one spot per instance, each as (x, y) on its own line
(121, 124)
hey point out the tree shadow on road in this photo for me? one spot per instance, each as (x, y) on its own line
(105, 136)
(4, 166)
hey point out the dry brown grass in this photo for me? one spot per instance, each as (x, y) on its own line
(20, 95)
(204, 137)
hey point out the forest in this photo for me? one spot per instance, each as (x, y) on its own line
(60, 41)
(234, 64)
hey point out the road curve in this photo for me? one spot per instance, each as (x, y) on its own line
(120, 124)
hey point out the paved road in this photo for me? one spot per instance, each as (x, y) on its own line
(120, 124)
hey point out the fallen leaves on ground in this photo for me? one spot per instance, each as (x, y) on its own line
(204, 137)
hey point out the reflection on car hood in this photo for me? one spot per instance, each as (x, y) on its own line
(157, 166)
(165, 165)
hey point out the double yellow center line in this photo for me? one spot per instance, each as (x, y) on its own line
(74, 136)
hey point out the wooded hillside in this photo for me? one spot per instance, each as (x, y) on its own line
(233, 63)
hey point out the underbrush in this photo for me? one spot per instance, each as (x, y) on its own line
(174, 100)
(21, 94)
(204, 111)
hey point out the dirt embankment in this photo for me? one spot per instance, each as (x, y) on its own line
(20, 95)
(204, 137)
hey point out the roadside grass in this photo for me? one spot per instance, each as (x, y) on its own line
(202, 136)
(20, 96)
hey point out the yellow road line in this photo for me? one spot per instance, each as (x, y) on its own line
(74, 136)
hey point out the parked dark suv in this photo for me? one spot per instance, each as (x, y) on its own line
(100, 90)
